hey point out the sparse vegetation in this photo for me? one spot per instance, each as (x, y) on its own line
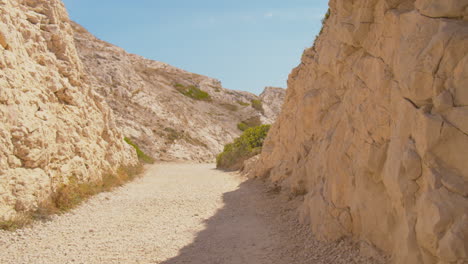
(243, 103)
(247, 145)
(193, 92)
(257, 104)
(141, 155)
(229, 107)
(173, 135)
(324, 20)
(194, 141)
(216, 88)
(242, 126)
(251, 122)
(69, 195)
(16, 223)
(73, 193)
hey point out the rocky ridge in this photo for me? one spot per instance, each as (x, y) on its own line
(374, 133)
(53, 125)
(149, 108)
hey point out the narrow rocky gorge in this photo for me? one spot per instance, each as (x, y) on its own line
(373, 133)
(68, 100)
(371, 144)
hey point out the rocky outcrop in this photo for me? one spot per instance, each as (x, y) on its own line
(273, 99)
(53, 126)
(374, 129)
(149, 108)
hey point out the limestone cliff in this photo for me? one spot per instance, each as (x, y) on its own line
(163, 121)
(374, 130)
(53, 126)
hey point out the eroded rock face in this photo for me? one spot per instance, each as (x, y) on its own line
(165, 123)
(374, 129)
(273, 99)
(53, 126)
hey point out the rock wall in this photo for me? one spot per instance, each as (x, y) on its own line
(53, 126)
(374, 130)
(165, 123)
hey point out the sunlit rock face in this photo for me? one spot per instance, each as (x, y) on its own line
(374, 129)
(53, 126)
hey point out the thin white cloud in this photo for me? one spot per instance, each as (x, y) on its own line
(268, 15)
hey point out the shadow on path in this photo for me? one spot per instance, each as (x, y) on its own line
(237, 233)
(256, 226)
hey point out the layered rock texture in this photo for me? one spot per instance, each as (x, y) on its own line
(374, 130)
(151, 109)
(53, 126)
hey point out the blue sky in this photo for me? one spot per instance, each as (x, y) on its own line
(246, 44)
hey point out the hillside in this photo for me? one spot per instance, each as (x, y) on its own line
(148, 100)
(369, 144)
(56, 85)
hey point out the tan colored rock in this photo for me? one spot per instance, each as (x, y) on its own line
(249, 166)
(374, 129)
(165, 123)
(52, 125)
(446, 8)
(272, 99)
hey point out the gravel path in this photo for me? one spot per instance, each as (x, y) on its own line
(177, 213)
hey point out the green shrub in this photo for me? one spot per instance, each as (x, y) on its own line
(141, 155)
(243, 103)
(193, 92)
(257, 104)
(242, 126)
(68, 196)
(253, 121)
(248, 123)
(247, 145)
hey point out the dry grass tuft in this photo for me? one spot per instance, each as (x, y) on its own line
(70, 195)
(74, 193)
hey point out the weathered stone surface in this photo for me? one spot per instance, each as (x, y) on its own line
(249, 165)
(272, 99)
(446, 8)
(150, 110)
(374, 129)
(52, 125)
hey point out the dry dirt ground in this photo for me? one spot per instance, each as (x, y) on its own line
(178, 213)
